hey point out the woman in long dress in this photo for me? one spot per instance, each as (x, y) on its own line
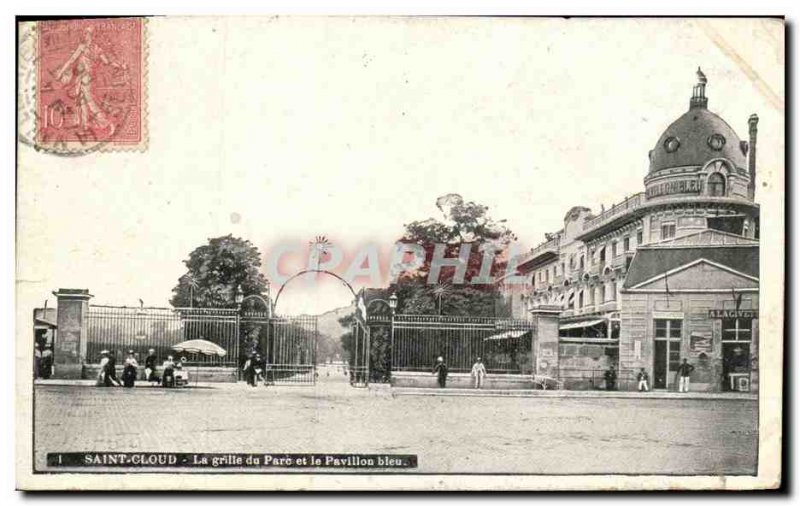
(129, 371)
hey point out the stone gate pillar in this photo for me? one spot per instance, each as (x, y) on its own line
(69, 347)
(545, 345)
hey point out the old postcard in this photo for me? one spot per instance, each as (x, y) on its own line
(399, 253)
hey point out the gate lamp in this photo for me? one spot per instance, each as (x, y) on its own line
(393, 302)
(238, 297)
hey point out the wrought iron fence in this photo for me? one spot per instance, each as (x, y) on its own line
(290, 350)
(503, 344)
(360, 354)
(119, 329)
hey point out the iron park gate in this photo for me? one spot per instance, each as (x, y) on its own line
(287, 344)
(360, 355)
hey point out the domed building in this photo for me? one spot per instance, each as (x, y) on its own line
(666, 274)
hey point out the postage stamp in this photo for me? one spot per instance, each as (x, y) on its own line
(89, 85)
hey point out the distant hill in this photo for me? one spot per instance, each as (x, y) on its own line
(330, 332)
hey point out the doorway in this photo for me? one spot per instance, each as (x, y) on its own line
(735, 365)
(667, 358)
(666, 352)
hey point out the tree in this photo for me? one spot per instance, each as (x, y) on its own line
(215, 270)
(460, 223)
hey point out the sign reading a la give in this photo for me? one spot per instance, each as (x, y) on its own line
(733, 313)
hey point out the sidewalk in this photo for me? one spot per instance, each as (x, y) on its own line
(588, 394)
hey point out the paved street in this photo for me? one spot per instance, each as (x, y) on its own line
(449, 434)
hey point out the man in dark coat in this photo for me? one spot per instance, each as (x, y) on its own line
(150, 366)
(111, 370)
(440, 369)
(611, 378)
(249, 370)
(683, 372)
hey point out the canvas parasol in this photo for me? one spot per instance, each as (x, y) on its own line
(200, 347)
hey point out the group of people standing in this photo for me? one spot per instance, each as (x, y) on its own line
(255, 369)
(42, 362)
(107, 376)
(683, 374)
(478, 372)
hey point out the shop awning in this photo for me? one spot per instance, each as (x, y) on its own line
(509, 334)
(41, 322)
(580, 325)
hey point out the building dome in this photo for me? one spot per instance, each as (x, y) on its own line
(696, 137)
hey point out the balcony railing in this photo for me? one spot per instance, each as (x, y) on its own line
(551, 245)
(630, 203)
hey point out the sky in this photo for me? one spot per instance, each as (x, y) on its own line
(279, 130)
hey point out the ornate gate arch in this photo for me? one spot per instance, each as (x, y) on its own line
(288, 334)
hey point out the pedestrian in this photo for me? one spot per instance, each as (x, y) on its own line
(643, 380)
(111, 370)
(611, 378)
(478, 374)
(101, 376)
(37, 360)
(46, 367)
(440, 369)
(129, 371)
(258, 370)
(168, 375)
(683, 373)
(249, 370)
(150, 366)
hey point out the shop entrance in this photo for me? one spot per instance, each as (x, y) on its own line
(736, 366)
(736, 338)
(667, 352)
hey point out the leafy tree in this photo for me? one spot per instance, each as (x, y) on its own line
(460, 222)
(214, 270)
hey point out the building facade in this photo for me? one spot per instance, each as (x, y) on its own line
(695, 219)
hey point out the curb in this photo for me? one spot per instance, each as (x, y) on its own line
(572, 394)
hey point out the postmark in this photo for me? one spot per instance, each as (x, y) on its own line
(88, 90)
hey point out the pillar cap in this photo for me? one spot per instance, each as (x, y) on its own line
(547, 310)
(73, 293)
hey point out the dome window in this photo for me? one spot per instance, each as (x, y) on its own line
(716, 185)
(671, 144)
(716, 142)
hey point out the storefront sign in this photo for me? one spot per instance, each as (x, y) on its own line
(733, 313)
(672, 187)
(700, 342)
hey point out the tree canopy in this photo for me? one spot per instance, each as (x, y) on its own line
(214, 270)
(460, 222)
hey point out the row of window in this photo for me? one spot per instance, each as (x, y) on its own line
(544, 276)
(733, 329)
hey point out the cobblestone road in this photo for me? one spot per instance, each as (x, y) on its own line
(449, 434)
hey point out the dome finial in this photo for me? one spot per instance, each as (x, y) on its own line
(701, 78)
(699, 91)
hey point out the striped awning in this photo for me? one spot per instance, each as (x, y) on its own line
(580, 325)
(509, 334)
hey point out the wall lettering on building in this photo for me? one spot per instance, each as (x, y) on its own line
(732, 313)
(672, 187)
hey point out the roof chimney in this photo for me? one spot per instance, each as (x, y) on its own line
(751, 159)
(699, 91)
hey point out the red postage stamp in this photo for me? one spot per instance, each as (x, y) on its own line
(90, 93)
